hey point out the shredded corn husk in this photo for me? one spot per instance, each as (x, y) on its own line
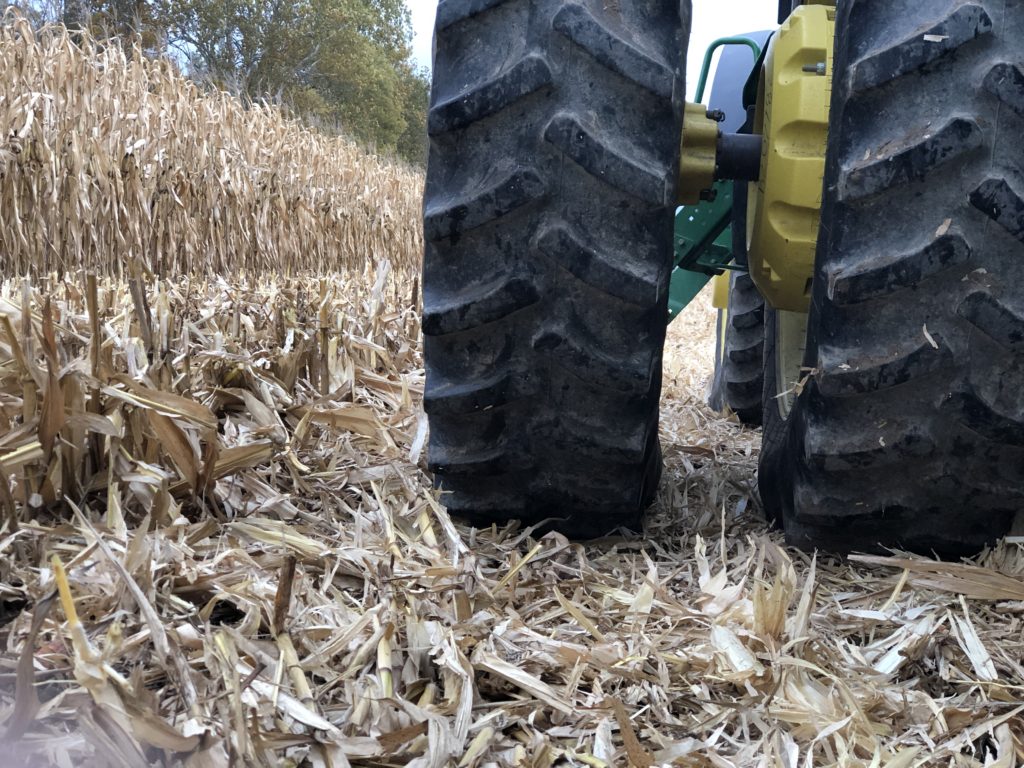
(223, 479)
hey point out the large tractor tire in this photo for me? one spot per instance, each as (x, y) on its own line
(738, 383)
(551, 188)
(909, 429)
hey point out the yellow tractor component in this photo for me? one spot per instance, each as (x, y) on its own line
(784, 206)
(698, 158)
(720, 301)
(720, 288)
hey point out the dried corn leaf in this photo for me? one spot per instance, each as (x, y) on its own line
(521, 679)
(240, 304)
(958, 578)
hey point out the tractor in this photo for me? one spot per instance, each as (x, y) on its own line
(854, 190)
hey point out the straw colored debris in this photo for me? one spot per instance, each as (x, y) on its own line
(116, 163)
(257, 570)
(218, 547)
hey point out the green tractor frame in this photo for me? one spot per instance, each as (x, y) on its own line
(855, 188)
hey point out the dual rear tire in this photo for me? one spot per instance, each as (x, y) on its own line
(548, 216)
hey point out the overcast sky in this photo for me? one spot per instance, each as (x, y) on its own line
(711, 19)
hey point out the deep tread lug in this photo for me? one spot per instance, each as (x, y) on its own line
(883, 274)
(451, 12)
(981, 417)
(602, 442)
(1006, 82)
(573, 351)
(744, 394)
(456, 399)
(909, 159)
(751, 358)
(482, 505)
(453, 461)
(925, 46)
(615, 51)
(483, 304)
(619, 166)
(602, 271)
(856, 373)
(994, 318)
(485, 203)
(1001, 203)
(887, 444)
(480, 100)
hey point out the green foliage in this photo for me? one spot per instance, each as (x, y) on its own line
(339, 63)
(412, 144)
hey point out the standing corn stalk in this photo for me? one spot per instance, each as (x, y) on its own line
(118, 164)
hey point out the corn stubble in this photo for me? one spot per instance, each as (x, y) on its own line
(218, 547)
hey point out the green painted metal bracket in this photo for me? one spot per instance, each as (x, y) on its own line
(703, 247)
(705, 68)
(703, 239)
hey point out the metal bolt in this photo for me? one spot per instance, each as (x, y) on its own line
(716, 114)
(818, 69)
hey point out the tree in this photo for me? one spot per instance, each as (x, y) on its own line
(340, 62)
(127, 21)
(412, 144)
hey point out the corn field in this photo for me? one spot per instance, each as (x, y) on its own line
(219, 545)
(117, 164)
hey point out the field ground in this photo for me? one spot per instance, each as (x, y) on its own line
(262, 575)
(218, 546)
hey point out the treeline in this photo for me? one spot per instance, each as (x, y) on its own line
(341, 65)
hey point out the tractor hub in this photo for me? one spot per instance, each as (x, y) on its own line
(792, 111)
(709, 155)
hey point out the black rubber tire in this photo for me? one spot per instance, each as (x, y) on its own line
(739, 378)
(910, 433)
(738, 382)
(774, 465)
(550, 195)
